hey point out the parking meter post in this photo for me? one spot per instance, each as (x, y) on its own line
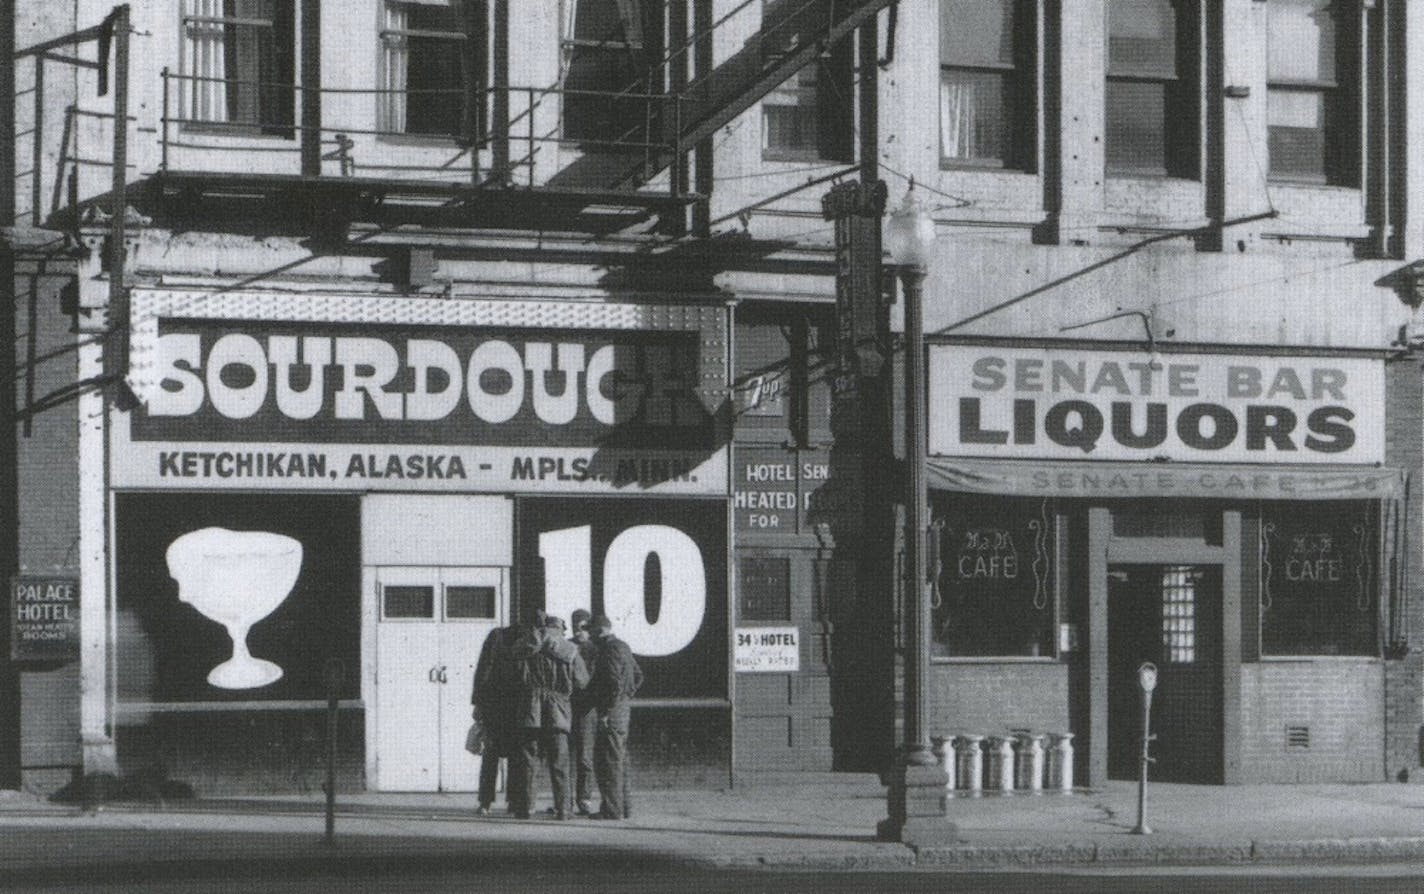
(1147, 681)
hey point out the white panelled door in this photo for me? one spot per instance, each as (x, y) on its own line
(431, 626)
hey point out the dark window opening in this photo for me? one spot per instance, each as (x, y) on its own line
(1319, 581)
(408, 602)
(764, 589)
(469, 602)
(988, 82)
(612, 81)
(1153, 113)
(994, 587)
(811, 114)
(1312, 94)
(239, 59)
(432, 68)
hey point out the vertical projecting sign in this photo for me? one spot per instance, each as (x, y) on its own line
(856, 209)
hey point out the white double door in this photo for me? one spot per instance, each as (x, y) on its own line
(432, 624)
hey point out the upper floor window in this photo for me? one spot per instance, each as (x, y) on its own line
(1312, 99)
(610, 79)
(1153, 117)
(811, 114)
(987, 82)
(430, 71)
(239, 63)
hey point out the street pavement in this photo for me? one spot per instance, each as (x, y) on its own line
(820, 823)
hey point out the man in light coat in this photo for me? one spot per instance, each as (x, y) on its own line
(550, 670)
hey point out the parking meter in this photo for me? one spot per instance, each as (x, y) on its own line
(1146, 681)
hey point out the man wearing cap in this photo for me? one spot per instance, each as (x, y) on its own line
(550, 670)
(495, 696)
(616, 678)
(584, 725)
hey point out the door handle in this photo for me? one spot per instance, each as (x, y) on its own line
(441, 675)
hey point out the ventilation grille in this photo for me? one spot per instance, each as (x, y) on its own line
(1297, 738)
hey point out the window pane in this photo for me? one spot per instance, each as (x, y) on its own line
(435, 79)
(1297, 133)
(1142, 37)
(1318, 579)
(599, 114)
(1179, 594)
(409, 602)
(599, 20)
(994, 592)
(765, 585)
(469, 602)
(1137, 126)
(974, 113)
(976, 32)
(1302, 40)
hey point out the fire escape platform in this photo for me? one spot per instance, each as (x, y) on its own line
(352, 199)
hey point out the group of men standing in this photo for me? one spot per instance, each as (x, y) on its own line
(535, 690)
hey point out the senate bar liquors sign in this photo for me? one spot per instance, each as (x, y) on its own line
(1068, 404)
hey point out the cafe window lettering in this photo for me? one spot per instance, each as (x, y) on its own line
(994, 588)
(1319, 579)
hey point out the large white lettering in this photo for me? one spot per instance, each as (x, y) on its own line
(421, 380)
(568, 569)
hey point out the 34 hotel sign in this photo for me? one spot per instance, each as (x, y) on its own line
(1065, 404)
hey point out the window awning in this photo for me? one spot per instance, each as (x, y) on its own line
(1157, 480)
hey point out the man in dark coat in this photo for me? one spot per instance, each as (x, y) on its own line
(550, 670)
(583, 730)
(615, 679)
(496, 691)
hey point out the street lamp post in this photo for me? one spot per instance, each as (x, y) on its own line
(917, 797)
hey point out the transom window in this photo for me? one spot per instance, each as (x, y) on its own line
(988, 80)
(1152, 88)
(1312, 97)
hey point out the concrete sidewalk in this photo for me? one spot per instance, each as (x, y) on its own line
(819, 824)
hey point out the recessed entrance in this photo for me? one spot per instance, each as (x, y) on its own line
(1170, 615)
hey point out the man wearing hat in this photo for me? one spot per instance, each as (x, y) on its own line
(584, 726)
(550, 670)
(615, 680)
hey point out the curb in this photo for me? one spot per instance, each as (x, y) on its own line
(1169, 853)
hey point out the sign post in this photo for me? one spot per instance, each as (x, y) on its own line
(1147, 681)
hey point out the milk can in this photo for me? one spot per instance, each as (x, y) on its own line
(999, 775)
(945, 753)
(1060, 762)
(971, 764)
(1028, 770)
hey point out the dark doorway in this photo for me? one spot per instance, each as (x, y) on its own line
(1169, 615)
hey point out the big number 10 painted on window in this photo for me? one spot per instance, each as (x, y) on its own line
(568, 583)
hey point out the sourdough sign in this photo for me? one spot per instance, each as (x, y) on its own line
(1012, 402)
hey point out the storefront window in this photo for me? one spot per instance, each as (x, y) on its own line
(1319, 581)
(994, 591)
(178, 622)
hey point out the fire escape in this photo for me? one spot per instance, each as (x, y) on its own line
(634, 145)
